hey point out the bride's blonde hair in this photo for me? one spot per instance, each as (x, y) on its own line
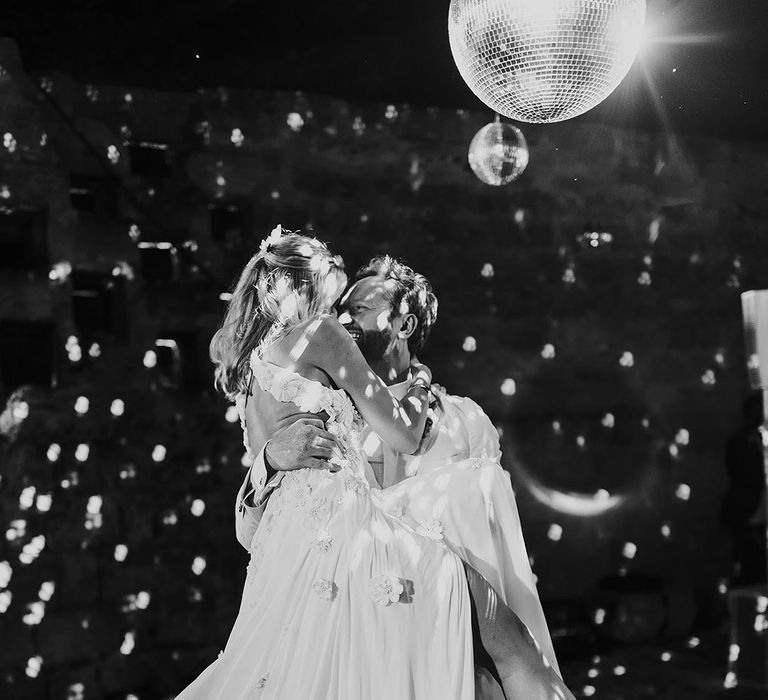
(291, 279)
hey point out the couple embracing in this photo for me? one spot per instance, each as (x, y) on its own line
(387, 557)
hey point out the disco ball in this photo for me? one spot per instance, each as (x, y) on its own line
(544, 60)
(498, 153)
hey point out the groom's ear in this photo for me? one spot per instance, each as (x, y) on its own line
(410, 323)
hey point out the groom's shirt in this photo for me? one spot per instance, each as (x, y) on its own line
(459, 430)
(373, 446)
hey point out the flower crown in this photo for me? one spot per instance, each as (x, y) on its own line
(275, 235)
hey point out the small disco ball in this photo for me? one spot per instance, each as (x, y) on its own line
(498, 153)
(544, 60)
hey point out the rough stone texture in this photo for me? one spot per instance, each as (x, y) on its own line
(691, 215)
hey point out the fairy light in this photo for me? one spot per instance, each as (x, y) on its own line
(548, 351)
(35, 613)
(121, 552)
(113, 154)
(509, 387)
(82, 405)
(599, 616)
(82, 452)
(6, 573)
(683, 492)
(27, 498)
(93, 519)
(629, 551)
(469, 344)
(619, 670)
(129, 472)
(34, 664)
(237, 137)
(150, 359)
(117, 408)
(487, 271)
(627, 359)
(232, 415)
(129, 642)
(198, 507)
(159, 453)
(358, 126)
(608, 421)
(295, 121)
(31, 550)
(16, 530)
(60, 272)
(198, 566)
(6, 598)
(76, 691)
(555, 532)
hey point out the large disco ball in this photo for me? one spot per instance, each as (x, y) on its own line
(544, 60)
(498, 153)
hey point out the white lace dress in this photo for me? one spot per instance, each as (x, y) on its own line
(342, 600)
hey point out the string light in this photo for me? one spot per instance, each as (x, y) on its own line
(198, 566)
(509, 387)
(295, 121)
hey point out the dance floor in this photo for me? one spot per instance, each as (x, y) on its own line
(693, 668)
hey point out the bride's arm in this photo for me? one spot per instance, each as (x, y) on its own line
(400, 423)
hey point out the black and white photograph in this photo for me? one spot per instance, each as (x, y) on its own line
(384, 351)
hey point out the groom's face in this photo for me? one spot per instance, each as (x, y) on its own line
(366, 312)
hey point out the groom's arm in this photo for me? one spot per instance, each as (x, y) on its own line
(302, 444)
(259, 482)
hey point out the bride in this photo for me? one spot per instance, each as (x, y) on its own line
(342, 600)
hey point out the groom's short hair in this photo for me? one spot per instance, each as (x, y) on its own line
(409, 293)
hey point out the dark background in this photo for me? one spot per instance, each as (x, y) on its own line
(389, 52)
(116, 137)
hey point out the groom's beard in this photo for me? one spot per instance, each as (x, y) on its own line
(373, 344)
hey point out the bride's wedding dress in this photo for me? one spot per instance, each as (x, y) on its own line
(345, 598)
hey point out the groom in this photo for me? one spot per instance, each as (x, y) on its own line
(389, 310)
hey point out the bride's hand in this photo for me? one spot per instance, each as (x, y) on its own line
(421, 374)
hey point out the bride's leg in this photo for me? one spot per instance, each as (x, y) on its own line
(525, 674)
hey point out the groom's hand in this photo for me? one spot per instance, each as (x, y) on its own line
(301, 445)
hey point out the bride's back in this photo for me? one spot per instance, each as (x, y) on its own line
(264, 413)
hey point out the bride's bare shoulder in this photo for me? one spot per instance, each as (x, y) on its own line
(312, 341)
